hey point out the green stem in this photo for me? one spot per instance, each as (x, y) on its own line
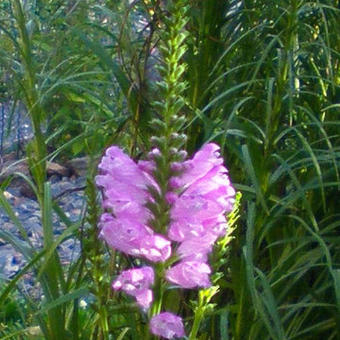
(158, 291)
(197, 321)
(37, 150)
(204, 297)
(37, 153)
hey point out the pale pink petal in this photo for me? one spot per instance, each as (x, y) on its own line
(189, 274)
(203, 161)
(167, 325)
(121, 167)
(136, 282)
(196, 248)
(124, 185)
(144, 298)
(123, 234)
(156, 248)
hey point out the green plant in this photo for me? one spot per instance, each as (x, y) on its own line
(261, 79)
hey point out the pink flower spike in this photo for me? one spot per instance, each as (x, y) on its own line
(167, 325)
(156, 248)
(190, 274)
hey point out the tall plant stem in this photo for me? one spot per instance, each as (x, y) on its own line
(167, 140)
(37, 152)
(197, 321)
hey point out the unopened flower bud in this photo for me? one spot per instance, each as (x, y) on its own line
(178, 139)
(174, 135)
(176, 166)
(183, 154)
(183, 137)
(177, 120)
(171, 197)
(154, 153)
(158, 124)
(158, 141)
(174, 118)
(174, 183)
(173, 151)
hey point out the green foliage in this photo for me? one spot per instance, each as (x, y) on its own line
(262, 79)
(268, 96)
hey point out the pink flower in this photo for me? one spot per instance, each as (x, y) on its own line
(123, 234)
(121, 167)
(197, 248)
(203, 161)
(124, 185)
(206, 198)
(136, 282)
(183, 230)
(189, 274)
(133, 238)
(167, 325)
(156, 248)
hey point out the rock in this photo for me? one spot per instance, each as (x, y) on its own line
(10, 167)
(10, 261)
(54, 179)
(8, 195)
(60, 187)
(28, 211)
(26, 190)
(8, 226)
(57, 169)
(78, 165)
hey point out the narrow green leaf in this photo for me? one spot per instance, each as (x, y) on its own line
(11, 214)
(52, 247)
(252, 174)
(76, 294)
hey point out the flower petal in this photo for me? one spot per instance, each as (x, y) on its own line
(123, 234)
(190, 274)
(167, 325)
(136, 282)
(156, 248)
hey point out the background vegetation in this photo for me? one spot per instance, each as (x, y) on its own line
(263, 81)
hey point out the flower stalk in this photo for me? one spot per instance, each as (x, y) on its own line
(169, 140)
(167, 210)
